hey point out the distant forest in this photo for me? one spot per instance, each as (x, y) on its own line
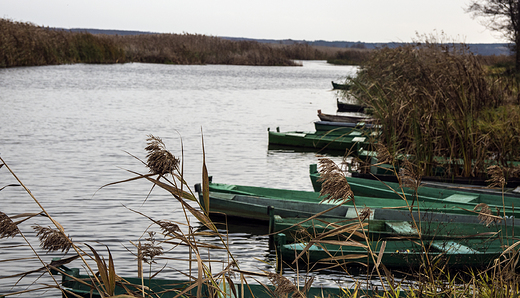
(484, 49)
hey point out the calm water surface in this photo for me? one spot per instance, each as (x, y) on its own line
(68, 130)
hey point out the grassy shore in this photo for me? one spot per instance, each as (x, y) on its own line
(25, 44)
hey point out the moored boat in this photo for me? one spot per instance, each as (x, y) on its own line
(352, 141)
(395, 253)
(427, 191)
(298, 229)
(339, 86)
(253, 202)
(75, 284)
(343, 127)
(386, 172)
(344, 106)
(344, 118)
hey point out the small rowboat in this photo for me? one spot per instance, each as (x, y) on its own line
(338, 86)
(349, 107)
(253, 202)
(344, 118)
(324, 141)
(75, 284)
(395, 253)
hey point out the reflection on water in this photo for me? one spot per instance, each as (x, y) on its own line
(68, 130)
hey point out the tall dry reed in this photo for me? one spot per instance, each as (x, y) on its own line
(25, 44)
(438, 104)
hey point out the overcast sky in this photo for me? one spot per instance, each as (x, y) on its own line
(341, 20)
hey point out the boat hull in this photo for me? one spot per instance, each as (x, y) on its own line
(320, 141)
(397, 253)
(73, 282)
(465, 196)
(349, 107)
(298, 229)
(254, 203)
(343, 118)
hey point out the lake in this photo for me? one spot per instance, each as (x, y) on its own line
(68, 130)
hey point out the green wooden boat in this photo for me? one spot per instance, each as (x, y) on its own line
(75, 284)
(352, 141)
(386, 172)
(397, 253)
(253, 202)
(465, 197)
(298, 229)
(78, 285)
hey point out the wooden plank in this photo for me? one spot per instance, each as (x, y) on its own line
(453, 247)
(461, 198)
(402, 227)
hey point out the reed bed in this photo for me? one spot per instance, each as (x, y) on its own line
(350, 57)
(25, 44)
(199, 49)
(440, 105)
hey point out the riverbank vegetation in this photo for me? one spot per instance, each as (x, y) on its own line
(442, 106)
(25, 44)
(351, 57)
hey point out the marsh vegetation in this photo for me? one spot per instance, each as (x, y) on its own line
(25, 44)
(441, 106)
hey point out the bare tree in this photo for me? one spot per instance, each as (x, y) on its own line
(502, 16)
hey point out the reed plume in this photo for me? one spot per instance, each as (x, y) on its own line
(283, 286)
(148, 251)
(497, 177)
(485, 215)
(52, 240)
(383, 155)
(335, 187)
(7, 227)
(168, 227)
(409, 177)
(160, 161)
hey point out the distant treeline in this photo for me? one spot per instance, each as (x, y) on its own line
(25, 44)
